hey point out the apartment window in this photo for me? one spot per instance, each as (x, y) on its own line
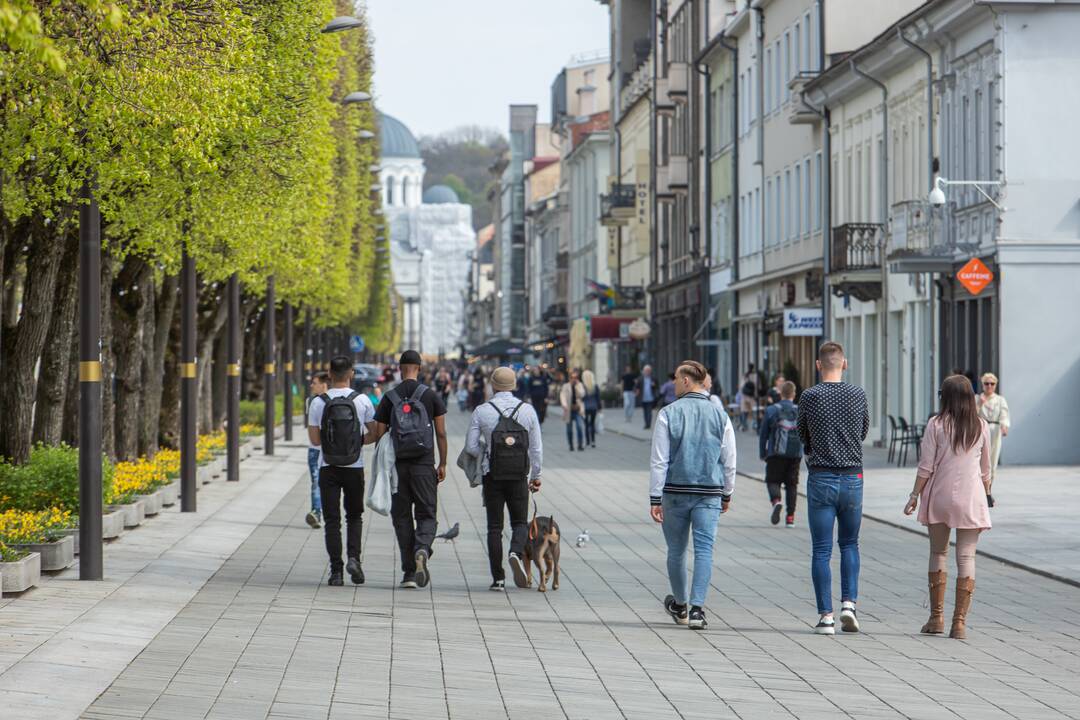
(768, 80)
(776, 74)
(770, 221)
(965, 155)
(788, 62)
(390, 191)
(980, 133)
(808, 201)
(812, 21)
(798, 200)
(796, 55)
(806, 59)
(789, 224)
(751, 98)
(756, 210)
(991, 133)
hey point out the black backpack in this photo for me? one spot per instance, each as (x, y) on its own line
(340, 432)
(410, 426)
(509, 452)
(785, 433)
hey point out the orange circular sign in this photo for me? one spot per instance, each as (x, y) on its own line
(975, 276)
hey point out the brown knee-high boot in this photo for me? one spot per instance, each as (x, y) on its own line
(965, 587)
(936, 624)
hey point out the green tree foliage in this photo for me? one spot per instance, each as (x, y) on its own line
(462, 159)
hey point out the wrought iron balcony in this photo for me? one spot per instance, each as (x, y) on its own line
(857, 246)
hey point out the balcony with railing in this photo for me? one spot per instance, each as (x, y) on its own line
(618, 207)
(855, 255)
(917, 240)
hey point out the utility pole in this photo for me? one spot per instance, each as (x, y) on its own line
(188, 387)
(90, 553)
(287, 361)
(268, 370)
(232, 382)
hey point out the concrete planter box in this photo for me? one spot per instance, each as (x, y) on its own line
(22, 574)
(73, 533)
(170, 493)
(151, 503)
(202, 475)
(133, 513)
(246, 448)
(217, 468)
(112, 522)
(55, 555)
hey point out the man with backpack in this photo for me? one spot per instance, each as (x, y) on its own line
(415, 417)
(505, 435)
(781, 449)
(337, 421)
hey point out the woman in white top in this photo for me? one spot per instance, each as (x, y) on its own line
(995, 411)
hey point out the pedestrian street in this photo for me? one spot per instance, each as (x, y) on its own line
(264, 637)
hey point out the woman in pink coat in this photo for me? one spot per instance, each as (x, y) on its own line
(953, 481)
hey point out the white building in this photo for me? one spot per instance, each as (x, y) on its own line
(431, 237)
(1001, 88)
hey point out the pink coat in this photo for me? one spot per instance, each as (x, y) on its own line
(955, 494)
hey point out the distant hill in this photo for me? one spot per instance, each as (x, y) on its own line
(461, 159)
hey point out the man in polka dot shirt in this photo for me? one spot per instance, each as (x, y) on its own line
(833, 421)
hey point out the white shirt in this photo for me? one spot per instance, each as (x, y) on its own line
(661, 453)
(484, 420)
(364, 412)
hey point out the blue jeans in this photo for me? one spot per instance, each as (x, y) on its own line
(313, 468)
(683, 513)
(834, 499)
(646, 410)
(575, 421)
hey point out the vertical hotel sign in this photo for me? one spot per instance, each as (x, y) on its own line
(642, 209)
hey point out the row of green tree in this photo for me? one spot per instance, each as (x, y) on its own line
(211, 126)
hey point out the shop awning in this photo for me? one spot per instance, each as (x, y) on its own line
(606, 327)
(500, 348)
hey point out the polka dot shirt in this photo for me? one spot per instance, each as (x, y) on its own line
(834, 418)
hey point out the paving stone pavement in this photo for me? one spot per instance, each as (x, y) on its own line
(266, 638)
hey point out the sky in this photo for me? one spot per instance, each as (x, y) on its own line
(440, 64)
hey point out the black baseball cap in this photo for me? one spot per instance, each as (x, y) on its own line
(410, 357)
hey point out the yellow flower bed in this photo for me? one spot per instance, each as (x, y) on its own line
(250, 429)
(168, 462)
(21, 527)
(136, 477)
(209, 445)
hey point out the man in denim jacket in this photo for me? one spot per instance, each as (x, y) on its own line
(692, 479)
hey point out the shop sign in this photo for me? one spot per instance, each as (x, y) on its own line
(975, 276)
(802, 322)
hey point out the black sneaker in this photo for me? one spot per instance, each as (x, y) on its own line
(677, 612)
(497, 586)
(697, 619)
(825, 626)
(355, 571)
(777, 508)
(408, 580)
(336, 579)
(422, 575)
(518, 568)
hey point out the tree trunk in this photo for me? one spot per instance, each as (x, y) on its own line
(156, 380)
(209, 330)
(52, 387)
(132, 296)
(169, 432)
(108, 435)
(69, 431)
(27, 341)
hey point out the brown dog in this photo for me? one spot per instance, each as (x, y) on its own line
(543, 549)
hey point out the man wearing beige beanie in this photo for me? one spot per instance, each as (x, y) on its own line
(505, 435)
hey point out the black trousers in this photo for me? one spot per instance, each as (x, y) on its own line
(646, 410)
(783, 471)
(540, 406)
(334, 484)
(413, 509)
(514, 496)
(590, 427)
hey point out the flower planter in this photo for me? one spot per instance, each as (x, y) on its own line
(112, 522)
(22, 574)
(170, 493)
(55, 555)
(151, 503)
(133, 513)
(73, 533)
(217, 467)
(202, 475)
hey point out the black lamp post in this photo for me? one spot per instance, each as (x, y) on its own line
(268, 370)
(188, 387)
(232, 382)
(90, 553)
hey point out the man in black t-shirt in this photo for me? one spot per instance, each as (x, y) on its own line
(414, 504)
(629, 392)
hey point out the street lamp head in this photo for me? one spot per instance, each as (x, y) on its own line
(937, 195)
(356, 97)
(365, 135)
(341, 22)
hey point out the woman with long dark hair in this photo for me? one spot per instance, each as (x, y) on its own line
(953, 481)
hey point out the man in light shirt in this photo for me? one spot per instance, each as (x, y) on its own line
(692, 479)
(510, 472)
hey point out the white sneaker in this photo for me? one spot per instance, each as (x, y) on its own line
(848, 620)
(825, 626)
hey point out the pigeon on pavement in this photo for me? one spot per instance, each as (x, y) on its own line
(583, 538)
(451, 533)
